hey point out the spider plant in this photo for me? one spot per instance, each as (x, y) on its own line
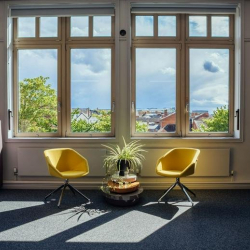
(131, 153)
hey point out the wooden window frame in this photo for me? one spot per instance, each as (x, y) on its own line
(155, 38)
(62, 43)
(16, 94)
(209, 37)
(37, 37)
(230, 92)
(90, 37)
(182, 95)
(112, 103)
(133, 93)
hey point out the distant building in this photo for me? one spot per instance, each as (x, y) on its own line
(197, 117)
(169, 119)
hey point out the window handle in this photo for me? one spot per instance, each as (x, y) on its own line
(9, 117)
(187, 107)
(238, 119)
(133, 107)
(59, 106)
(113, 107)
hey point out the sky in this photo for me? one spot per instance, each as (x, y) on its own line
(155, 67)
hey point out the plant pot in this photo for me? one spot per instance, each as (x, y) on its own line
(122, 166)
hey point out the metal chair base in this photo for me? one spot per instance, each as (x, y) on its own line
(73, 190)
(183, 188)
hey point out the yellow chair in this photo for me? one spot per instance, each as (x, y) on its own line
(177, 163)
(66, 163)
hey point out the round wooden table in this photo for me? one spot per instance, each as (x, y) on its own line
(125, 199)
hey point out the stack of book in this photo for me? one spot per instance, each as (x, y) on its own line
(123, 184)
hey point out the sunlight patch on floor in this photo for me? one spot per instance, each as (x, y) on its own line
(125, 229)
(45, 227)
(6, 206)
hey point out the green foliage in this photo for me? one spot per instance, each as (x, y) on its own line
(37, 106)
(131, 152)
(217, 123)
(141, 127)
(103, 123)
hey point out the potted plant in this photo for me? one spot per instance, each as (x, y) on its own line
(127, 158)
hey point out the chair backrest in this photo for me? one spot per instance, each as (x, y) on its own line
(65, 159)
(179, 158)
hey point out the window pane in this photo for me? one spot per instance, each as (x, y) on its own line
(26, 27)
(48, 27)
(37, 81)
(198, 26)
(167, 25)
(102, 26)
(90, 90)
(79, 26)
(220, 26)
(144, 25)
(155, 90)
(209, 90)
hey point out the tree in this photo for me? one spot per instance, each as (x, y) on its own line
(103, 123)
(37, 106)
(141, 127)
(217, 123)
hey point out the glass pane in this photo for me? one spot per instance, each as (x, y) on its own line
(209, 90)
(155, 90)
(220, 26)
(48, 27)
(144, 25)
(79, 26)
(37, 80)
(198, 26)
(26, 27)
(167, 26)
(102, 26)
(90, 90)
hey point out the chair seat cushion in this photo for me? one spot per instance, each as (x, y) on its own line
(171, 173)
(72, 174)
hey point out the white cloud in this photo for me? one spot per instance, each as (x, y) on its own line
(168, 71)
(197, 25)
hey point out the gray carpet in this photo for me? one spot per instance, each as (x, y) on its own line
(220, 219)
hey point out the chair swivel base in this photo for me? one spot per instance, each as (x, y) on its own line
(73, 190)
(183, 188)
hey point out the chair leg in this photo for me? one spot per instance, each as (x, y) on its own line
(167, 191)
(190, 191)
(64, 186)
(79, 192)
(53, 192)
(184, 190)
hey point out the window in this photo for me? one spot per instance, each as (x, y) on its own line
(64, 76)
(182, 74)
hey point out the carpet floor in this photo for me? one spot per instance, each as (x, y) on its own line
(219, 219)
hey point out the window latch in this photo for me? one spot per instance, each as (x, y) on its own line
(9, 116)
(187, 108)
(238, 119)
(133, 107)
(59, 105)
(113, 107)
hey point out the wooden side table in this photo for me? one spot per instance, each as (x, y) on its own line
(122, 190)
(123, 199)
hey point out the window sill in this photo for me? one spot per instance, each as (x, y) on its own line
(62, 140)
(190, 139)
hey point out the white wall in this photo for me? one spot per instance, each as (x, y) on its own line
(239, 151)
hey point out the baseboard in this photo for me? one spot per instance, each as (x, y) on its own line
(146, 185)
